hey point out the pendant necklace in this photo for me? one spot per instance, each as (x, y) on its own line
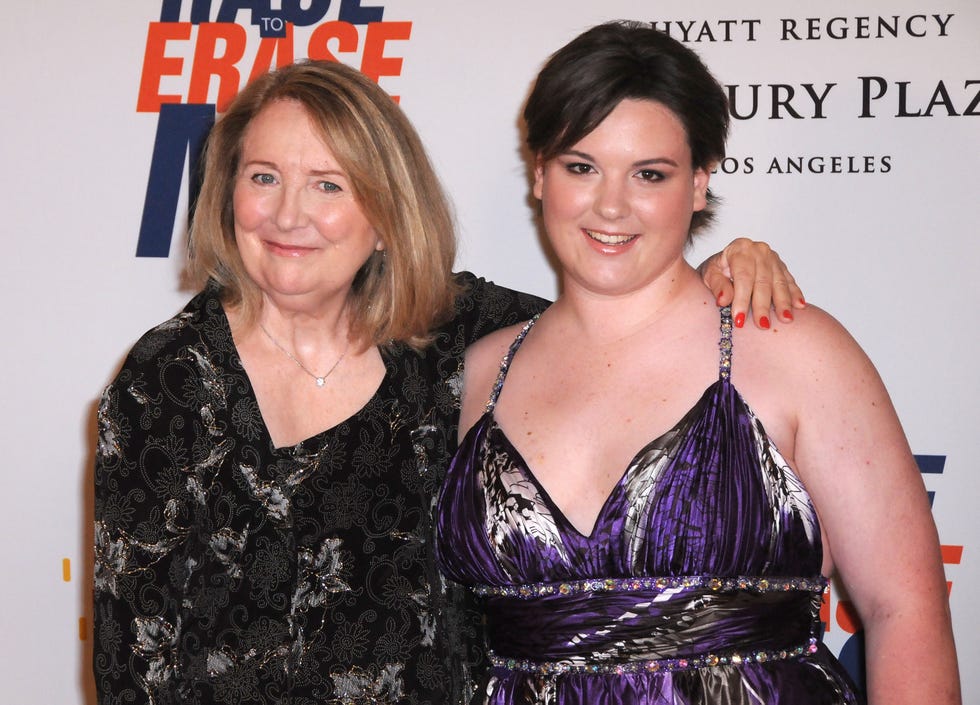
(319, 379)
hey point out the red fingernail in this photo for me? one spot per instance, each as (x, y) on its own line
(739, 320)
(764, 322)
(788, 315)
(802, 301)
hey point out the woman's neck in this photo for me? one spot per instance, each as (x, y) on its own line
(602, 319)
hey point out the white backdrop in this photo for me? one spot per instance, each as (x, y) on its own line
(879, 225)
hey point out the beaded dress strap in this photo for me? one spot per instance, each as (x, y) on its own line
(505, 363)
(725, 344)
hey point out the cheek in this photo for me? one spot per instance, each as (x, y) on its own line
(559, 200)
(248, 209)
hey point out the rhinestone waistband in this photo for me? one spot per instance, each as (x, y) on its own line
(667, 665)
(658, 584)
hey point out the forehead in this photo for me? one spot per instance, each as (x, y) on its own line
(285, 127)
(637, 126)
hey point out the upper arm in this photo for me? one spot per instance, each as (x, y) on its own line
(144, 445)
(860, 473)
(853, 456)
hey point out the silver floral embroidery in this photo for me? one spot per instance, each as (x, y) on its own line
(110, 438)
(356, 687)
(112, 558)
(155, 640)
(422, 444)
(276, 496)
(320, 575)
(228, 546)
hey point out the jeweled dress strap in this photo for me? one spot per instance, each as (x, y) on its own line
(725, 344)
(505, 363)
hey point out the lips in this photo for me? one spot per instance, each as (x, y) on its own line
(286, 249)
(610, 239)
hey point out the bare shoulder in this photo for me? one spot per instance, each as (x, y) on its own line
(480, 372)
(815, 340)
(801, 375)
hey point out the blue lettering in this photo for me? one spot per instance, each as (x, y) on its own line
(230, 8)
(200, 11)
(931, 465)
(852, 659)
(351, 11)
(292, 11)
(182, 129)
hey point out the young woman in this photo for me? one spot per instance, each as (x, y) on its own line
(648, 515)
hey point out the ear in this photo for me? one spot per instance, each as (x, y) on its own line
(538, 176)
(701, 177)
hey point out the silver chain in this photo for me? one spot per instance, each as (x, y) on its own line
(319, 379)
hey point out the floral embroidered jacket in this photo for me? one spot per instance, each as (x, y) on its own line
(230, 571)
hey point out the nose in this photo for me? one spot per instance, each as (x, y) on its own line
(290, 210)
(611, 200)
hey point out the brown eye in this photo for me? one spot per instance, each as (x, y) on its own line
(578, 168)
(650, 175)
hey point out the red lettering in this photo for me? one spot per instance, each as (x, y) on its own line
(375, 64)
(207, 63)
(951, 555)
(220, 48)
(344, 32)
(280, 47)
(156, 64)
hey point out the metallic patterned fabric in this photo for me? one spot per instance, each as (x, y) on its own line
(700, 583)
(229, 570)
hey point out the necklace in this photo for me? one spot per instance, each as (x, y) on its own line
(319, 379)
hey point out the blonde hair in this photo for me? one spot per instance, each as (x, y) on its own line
(400, 294)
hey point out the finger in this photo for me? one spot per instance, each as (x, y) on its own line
(745, 283)
(762, 302)
(786, 294)
(717, 279)
(748, 262)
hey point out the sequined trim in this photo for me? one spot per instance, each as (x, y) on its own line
(725, 344)
(667, 665)
(574, 587)
(505, 363)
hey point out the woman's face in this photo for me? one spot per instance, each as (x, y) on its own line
(301, 233)
(617, 205)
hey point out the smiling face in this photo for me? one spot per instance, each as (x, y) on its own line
(300, 231)
(617, 204)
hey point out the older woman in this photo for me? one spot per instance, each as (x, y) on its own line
(619, 501)
(268, 458)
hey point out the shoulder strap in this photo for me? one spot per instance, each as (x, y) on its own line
(725, 344)
(505, 363)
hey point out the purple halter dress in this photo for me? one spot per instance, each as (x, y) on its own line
(699, 584)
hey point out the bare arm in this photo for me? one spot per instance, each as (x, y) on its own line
(856, 463)
(749, 274)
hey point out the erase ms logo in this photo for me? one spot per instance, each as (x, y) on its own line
(200, 54)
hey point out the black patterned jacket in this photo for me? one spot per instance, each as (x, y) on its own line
(230, 571)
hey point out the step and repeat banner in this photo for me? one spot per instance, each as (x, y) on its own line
(854, 151)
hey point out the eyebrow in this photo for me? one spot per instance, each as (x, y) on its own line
(643, 162)
(314, 172)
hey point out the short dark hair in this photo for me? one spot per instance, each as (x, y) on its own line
(588, 77)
